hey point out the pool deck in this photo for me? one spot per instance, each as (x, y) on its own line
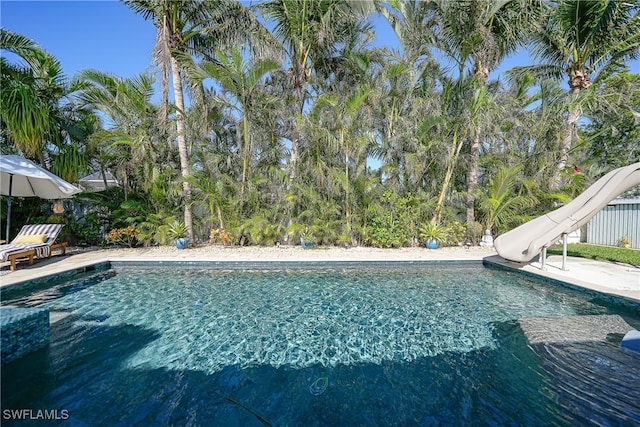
(605, 277)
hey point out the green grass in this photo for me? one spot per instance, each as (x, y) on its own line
(603, 253)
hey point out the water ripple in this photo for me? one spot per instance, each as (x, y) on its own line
(212, 319)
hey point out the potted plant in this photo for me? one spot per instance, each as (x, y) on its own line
(624, 242)
(432, 234)
(178, 232)
(306, 238)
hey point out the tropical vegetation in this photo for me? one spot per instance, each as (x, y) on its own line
(287, 121)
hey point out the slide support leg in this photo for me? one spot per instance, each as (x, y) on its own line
(543, 258)
(564, 252)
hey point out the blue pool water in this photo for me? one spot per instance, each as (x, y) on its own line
(362, 344)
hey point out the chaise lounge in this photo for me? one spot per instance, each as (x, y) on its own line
(33, 241)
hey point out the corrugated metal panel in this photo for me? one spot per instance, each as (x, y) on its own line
(625, 201)
(614, 222)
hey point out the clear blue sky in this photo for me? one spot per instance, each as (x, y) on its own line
(108, 36)
(104, 35)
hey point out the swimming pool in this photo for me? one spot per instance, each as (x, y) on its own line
(323, 344)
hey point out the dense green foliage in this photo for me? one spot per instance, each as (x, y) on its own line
(289, 123)
(605, 253)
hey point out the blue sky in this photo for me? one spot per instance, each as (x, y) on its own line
(103, 35)
(108, 36)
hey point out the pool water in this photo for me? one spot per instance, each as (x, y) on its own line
(350, 344)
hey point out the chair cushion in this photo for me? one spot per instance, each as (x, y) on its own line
(31, 238)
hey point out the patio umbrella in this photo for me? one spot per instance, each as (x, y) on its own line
(22, 178)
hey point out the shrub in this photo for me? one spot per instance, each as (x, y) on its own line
(454, 233)
(55, 219)
(127, 236)
(386, 232)
(220, 236)
(148, 233)
(393, 221)
(84, 232)
(624, 242)
(259, 231)
(473, 233)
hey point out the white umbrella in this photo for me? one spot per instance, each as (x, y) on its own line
(23, 178)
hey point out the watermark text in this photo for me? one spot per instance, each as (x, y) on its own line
(35, 414)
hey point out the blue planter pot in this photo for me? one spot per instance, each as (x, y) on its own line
(432, 244)
(306, 244)
(182, 243)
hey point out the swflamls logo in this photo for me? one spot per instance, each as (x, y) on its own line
(35, 414)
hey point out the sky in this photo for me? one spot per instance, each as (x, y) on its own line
(108, 36)
(102, 35)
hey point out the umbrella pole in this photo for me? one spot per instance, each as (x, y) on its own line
(6, 236)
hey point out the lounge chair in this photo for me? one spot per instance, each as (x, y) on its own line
(33, 241)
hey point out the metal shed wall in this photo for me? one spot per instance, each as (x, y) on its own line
(618, 219)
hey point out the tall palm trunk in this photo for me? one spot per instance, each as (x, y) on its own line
(182, 144)
(453, 158)
(293, 167)
(295, 137)
(482, 75)
(472, 178)
(293, 159)
(567, 138)
(347, 204)
(246, 150)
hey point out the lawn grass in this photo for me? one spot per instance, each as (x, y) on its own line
(603, 253)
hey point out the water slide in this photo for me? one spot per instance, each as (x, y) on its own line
(523, 243)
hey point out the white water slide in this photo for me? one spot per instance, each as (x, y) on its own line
(523, 243)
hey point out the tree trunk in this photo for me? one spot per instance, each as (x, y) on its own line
(293, 159)
(472, 178)
(346, 187)
(220, 220)
(293, 166)
(482, 75)
(567, 139)
(182, 145)
(295, 139)
(578, 80)
(457, 145)
(245, 150)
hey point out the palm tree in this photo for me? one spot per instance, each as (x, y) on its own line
(129, 144)
(461, 101)
(37, 114)
(187, 28)
(478, 35)
(501, 203)
(404, 93)
(412, 22)
(309, 31)
(585, 41)
(240, 79)
(613, 132)
(26, 114)
(342, 116)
